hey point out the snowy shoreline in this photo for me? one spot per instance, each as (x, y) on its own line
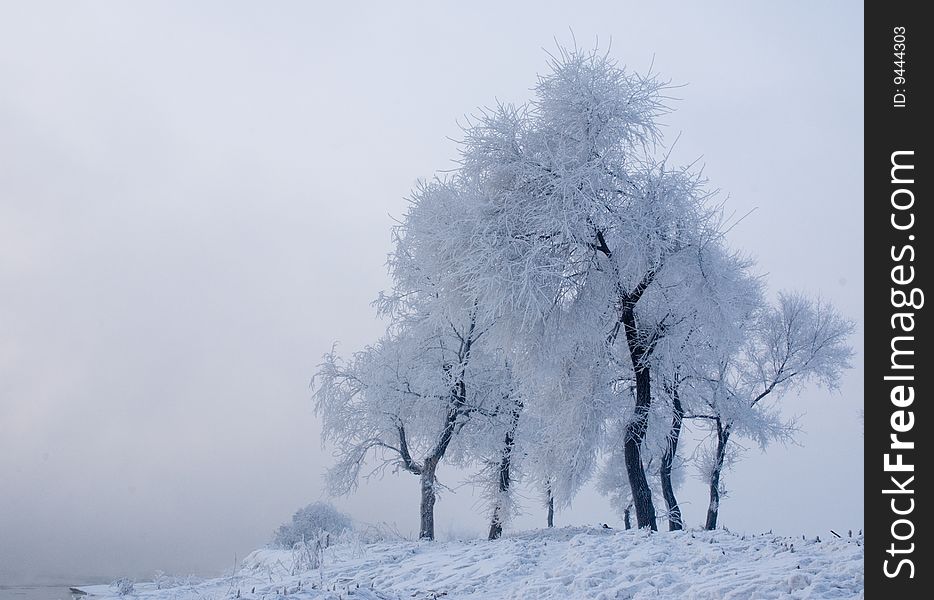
(561, 564)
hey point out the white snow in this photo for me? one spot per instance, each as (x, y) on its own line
(559, 564)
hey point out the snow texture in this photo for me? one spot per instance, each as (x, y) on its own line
(559, 564)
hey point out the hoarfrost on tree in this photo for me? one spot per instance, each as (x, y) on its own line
(564, 295)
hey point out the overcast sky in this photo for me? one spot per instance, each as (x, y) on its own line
(196, 202)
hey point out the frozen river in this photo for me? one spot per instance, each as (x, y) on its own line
(35, 592)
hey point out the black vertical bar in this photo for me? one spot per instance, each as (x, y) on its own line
(899, 371)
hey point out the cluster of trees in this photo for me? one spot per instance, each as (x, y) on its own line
(563, 303)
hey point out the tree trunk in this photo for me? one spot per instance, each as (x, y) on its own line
(457, 401)
(496, 523)
(427, 528)
(551, 509)
(723, 436)
(627, 517)
(635, 433)
(635, 430)
(668, 491)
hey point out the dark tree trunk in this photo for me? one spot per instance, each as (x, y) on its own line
(635, 430)
(713, 511)
(496, 523)
(635, 433)
(427, 528)
(674, 511)
(456, 409)
(640, 347)
(551, 509)
(627, 517)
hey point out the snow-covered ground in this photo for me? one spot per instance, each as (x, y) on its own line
(560, 564)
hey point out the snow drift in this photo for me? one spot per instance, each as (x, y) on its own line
(560, 564)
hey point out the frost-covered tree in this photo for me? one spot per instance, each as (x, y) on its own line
(429, 289)
(572, 220)
(566, 294)
(796, 342)
(405, 400)
(504, 467)
(723, 294)
(434, 379)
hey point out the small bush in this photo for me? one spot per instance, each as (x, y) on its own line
(310, 522)
(122, 586)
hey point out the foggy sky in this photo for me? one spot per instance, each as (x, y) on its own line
(196, 202)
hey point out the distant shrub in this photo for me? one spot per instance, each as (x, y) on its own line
(310, 523)
(122, 586)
